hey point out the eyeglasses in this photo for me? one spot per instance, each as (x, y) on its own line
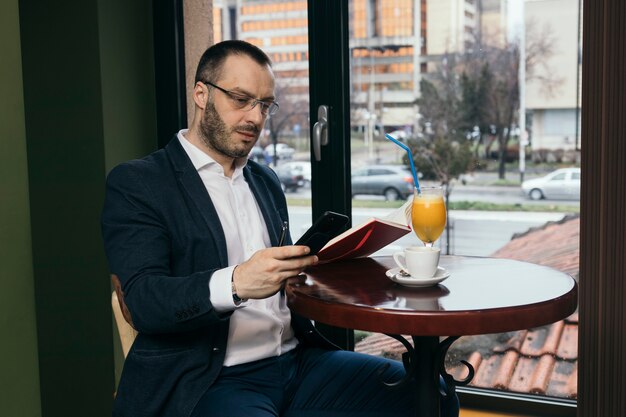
(247, 103)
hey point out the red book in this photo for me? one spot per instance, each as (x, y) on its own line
(367, 238)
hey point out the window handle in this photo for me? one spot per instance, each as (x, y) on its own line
(320, 131)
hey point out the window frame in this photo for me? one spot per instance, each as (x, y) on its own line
(169, 69)
(326, 68)
(602, 46)
(328, 22)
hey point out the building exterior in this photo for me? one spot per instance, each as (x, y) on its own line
(552, 93)
(493, 19)
(384, 37)
(453, 24)
(392, 43)
(555, 115)
(385, 61)
(279, 28)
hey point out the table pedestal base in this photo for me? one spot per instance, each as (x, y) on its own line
(424, 365)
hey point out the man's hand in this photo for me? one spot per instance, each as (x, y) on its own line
(264, 273)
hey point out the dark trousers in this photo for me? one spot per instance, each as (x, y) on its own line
(313, 383)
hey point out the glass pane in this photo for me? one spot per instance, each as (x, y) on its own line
(442, 76)
(280, 29)
(404, 55)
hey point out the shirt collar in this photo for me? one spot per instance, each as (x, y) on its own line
(201, 160)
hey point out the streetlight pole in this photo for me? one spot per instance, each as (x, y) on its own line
(523, 137)
(417, 52)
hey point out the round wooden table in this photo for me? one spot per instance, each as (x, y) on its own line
(481, 296)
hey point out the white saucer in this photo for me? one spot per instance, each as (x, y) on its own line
(439, 276)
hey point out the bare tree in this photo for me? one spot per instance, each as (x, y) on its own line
(540, 46)
(294, 109)
(484, 82)
(442, 151)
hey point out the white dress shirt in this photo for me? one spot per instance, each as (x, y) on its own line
(258, 328)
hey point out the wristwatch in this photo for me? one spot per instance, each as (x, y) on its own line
(236, 299)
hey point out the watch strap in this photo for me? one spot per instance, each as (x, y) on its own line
(236, 299)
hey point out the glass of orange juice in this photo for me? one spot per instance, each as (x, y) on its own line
(428, 214)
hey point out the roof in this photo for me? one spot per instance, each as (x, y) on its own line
(542, 360)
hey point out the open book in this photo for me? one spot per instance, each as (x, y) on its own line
(369, 237)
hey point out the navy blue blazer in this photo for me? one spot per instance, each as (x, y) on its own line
(164, 240)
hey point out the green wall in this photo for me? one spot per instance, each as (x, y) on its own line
(65, 143)
(127, 63)
(128, 93)
(19, 378)
(77, 96)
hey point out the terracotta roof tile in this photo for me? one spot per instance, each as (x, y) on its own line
(507, 367)
(381, 345)
(494, 371)
(542, 340)
(568, 346)
(529, 376)
(563, 382)
(571, 390)
(515, 342)
(541, 376)
(542, 360)
(556, 244)
(459, 372)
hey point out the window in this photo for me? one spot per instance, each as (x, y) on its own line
(388, 74)
(280, 29)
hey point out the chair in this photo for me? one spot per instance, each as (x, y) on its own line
(123, 319)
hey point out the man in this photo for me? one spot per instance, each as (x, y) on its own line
(192, 232)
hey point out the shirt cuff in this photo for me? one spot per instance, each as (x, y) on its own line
(220, 289)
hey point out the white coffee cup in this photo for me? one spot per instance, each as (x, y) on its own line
(419, 261)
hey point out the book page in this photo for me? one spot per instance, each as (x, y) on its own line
(402, 214)
(400, 217)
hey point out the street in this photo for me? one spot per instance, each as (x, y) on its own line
(484, 193)
(477, 233)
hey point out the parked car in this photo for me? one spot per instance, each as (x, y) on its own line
(394, 182)
(257, 154)
(560, 184)
(399, 134)
(290, 180)
(283, 151)
(300, 167)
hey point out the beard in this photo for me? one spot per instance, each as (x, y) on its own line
(216, 135)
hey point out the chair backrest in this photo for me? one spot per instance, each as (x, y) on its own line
(126, 331)
(122, 315)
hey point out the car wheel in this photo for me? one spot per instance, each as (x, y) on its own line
(391, 194)
(282, 186)
(535, 194)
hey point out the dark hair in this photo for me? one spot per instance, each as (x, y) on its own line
(212, 60)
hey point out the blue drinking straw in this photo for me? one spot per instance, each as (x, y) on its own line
(408, 151)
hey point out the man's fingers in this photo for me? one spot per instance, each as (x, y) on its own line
(286, 252)
(265, 272)
(298, 264)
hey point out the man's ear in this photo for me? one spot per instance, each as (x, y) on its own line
(200, 95)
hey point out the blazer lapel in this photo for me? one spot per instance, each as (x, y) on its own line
(268, 207)
(192, 184)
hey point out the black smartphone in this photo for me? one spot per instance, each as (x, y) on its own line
(329, 225)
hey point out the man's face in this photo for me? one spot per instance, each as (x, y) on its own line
(226, 129)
